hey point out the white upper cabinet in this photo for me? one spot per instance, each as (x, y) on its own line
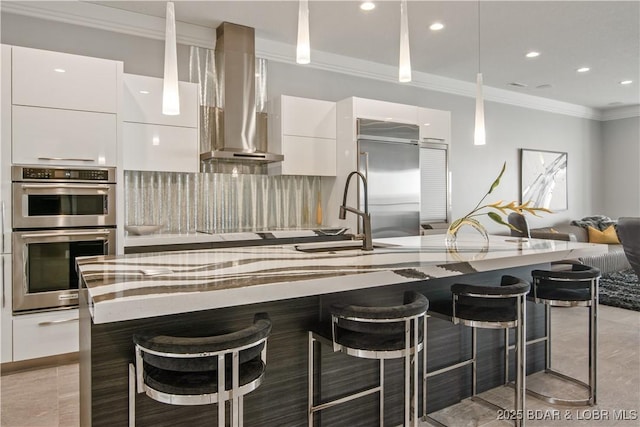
(142, 102)
(304, 131)
(160, 148)
(308, 117)
(60, 80)
(63, 137)
(434, 124)
(152, 141)
(385, 111)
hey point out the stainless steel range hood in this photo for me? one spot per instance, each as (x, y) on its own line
(235, 138)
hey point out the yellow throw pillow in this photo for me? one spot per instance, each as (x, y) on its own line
(608, 235)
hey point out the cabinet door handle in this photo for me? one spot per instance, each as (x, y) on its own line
(2, 225)
(71, 159)
(57, 322)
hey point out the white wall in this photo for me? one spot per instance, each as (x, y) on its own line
(621, 160)
(474, 168)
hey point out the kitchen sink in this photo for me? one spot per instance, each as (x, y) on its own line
(341, 245)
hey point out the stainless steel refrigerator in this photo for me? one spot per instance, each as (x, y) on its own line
(388, 156)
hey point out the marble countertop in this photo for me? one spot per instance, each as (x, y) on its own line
(137, 286)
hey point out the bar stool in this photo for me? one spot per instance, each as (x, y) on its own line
(573, 287)
(202, 370)
(486, 307)
(375, 333)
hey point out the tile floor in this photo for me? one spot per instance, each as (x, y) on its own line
(49, 396)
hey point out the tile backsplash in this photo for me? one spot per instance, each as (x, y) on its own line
(220, 202)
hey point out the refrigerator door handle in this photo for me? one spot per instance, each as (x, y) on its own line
(366, 164)
(3, 297)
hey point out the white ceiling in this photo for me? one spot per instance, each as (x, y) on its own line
(602, 35)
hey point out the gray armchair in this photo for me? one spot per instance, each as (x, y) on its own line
(628, 230)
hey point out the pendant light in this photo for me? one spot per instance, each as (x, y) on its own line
(303, 50)
(170, 95)
(404, 68)
(479, 135)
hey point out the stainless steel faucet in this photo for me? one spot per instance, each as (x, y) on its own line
(367, 243)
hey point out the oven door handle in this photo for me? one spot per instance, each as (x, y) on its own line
(66, 233)
(65, 186)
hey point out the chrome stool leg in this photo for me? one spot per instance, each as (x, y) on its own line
(132, 395)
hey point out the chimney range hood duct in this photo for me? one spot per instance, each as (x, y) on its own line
(235, 138)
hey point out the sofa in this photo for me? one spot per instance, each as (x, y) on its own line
(614, 260)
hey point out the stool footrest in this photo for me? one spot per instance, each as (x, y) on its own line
(449, 368)
(560, 401)
(344, 399)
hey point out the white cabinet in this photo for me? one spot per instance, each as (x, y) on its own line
(152, 141)
(434, 124)
(60, 80)
(45, 334)
(386, 111)
(64, 108)
(142, 102)
(63, 137)
(6, 329)
(304, 131)
(308, 117)
(160, 148)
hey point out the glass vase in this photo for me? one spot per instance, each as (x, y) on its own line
(451, 237)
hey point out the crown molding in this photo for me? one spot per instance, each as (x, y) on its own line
(122, 21)
(283, 52)
(111, 19)
(621, 113)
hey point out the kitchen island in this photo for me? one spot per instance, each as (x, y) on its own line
(210, 291)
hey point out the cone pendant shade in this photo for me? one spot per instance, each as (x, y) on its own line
(170, 95)
(404, 69)
(479, 137)
(303, 50)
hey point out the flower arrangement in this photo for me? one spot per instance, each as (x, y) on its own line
(470, 218)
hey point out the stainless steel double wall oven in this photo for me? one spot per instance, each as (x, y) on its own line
(59, 213)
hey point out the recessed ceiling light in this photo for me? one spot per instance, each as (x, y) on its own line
(427, 124)
(367, 6)
(626, 82)
(59, 70)
(436, 26)
(583, 69)
(544, 86)
(144, 92)
(532, 54)
(517, 84)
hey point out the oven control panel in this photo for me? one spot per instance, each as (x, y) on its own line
(28, 173)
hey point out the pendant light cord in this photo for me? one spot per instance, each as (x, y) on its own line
(479, 36)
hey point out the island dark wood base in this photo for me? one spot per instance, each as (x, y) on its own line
(106, 350)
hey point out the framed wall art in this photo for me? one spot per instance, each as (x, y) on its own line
(543, 179)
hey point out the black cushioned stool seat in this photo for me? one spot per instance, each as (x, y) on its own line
(375, 333)
(200, 370)
(570, 284)
(488, 307)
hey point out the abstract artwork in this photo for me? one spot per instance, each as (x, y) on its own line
(543, 179)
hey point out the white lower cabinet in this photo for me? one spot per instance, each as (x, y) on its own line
(45, 334)
(148, 147)
(6, 330)
(63, 137)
